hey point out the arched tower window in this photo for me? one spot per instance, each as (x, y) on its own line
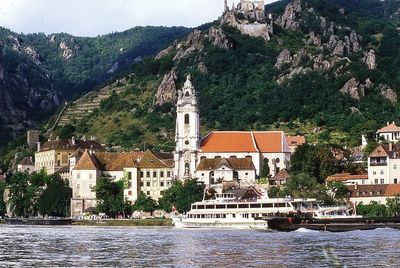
(187, 169)
(187, 119)
(187, 94)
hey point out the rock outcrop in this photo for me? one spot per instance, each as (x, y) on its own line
(289, 18)
(202, 68)
(164, 52)
(388, 93)
(284, 58)
(370, 59)
(353, 88)
(67, 52)
(219, 39)
(166, 91)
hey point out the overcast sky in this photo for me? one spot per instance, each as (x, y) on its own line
(94, 17)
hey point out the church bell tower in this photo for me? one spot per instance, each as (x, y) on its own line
(187, 134)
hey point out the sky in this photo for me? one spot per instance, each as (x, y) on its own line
(96, 17)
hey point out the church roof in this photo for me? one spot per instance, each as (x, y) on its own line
(244, 141)
(233, 163)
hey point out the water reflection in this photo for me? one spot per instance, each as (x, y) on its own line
(168, 247)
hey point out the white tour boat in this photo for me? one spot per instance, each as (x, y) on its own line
(226, 211)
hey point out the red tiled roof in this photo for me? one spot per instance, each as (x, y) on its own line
(156, 160)
(346, 177)
(389, 128)
(295, 140)
(119, 161)
(71, 145)
(244, 141)
(88, 162)
(379, 151)
(377, 190)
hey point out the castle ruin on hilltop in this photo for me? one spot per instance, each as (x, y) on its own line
(248, 16)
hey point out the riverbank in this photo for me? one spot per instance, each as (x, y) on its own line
(126, 222)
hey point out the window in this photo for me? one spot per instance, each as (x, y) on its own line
(246, 174)
(376, 181)
(141, 184)
(374, 173)
(90, 176)
(148, 192)
(141, 174)
(382, 181)
(382, 172)
(161, 183)
(162, 174)
(186, 119)
(395, 181)
(78, 176)
(168, 173)
(394, 166)
(129, 192)
(154, 174)
(217, 157)
(148, 184)
(148, 174)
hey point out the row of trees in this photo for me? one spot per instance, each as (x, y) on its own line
(178, 197)
(37, 193)
(374, 209)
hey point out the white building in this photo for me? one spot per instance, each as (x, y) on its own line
(215, 171)
(26, 165)
(262, 147)
(384, 164)
(390, 133)
(365, 194)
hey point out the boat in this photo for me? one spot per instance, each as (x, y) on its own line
(38, 221)
(228, 211)
(332, 224)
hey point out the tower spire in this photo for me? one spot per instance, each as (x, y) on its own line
(226, 6)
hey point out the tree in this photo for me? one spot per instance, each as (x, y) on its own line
(314, 160)
(373, 209)
(182, 195)
(25, 190)
(145, 203)
(265, 169)
(55, 198)
(3, 208)
(110, 197)
(301, 186)
(393, 206)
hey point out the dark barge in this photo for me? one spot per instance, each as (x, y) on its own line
(289, 224)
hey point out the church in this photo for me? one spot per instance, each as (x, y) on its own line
(223, 156)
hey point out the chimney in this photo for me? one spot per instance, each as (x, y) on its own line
(387, 123)
(73, 140)
(38, 146)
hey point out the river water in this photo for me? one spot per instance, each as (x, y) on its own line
(75, 246)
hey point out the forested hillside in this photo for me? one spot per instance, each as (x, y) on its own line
(39, 72)
(329, 71)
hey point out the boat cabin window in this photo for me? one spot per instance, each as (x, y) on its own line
(220, 206)
(267, 205)
(200, 207)
(231, 205)
(243, 205)
(255, 205)
(210, 207)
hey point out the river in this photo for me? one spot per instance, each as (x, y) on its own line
(75, 246)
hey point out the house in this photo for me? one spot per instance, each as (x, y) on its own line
(261, 147)
(218, 170)
(390, 133)
(295, 141)
(280, 178)
(156, 173)
(348, 178)
(384, 164)
(148, 172)
(91, 166)
(26, 165)
(364, 194)
(54, 155)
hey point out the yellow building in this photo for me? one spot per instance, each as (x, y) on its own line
(54, 155)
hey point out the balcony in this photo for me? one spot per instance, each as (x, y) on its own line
(377, 164)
